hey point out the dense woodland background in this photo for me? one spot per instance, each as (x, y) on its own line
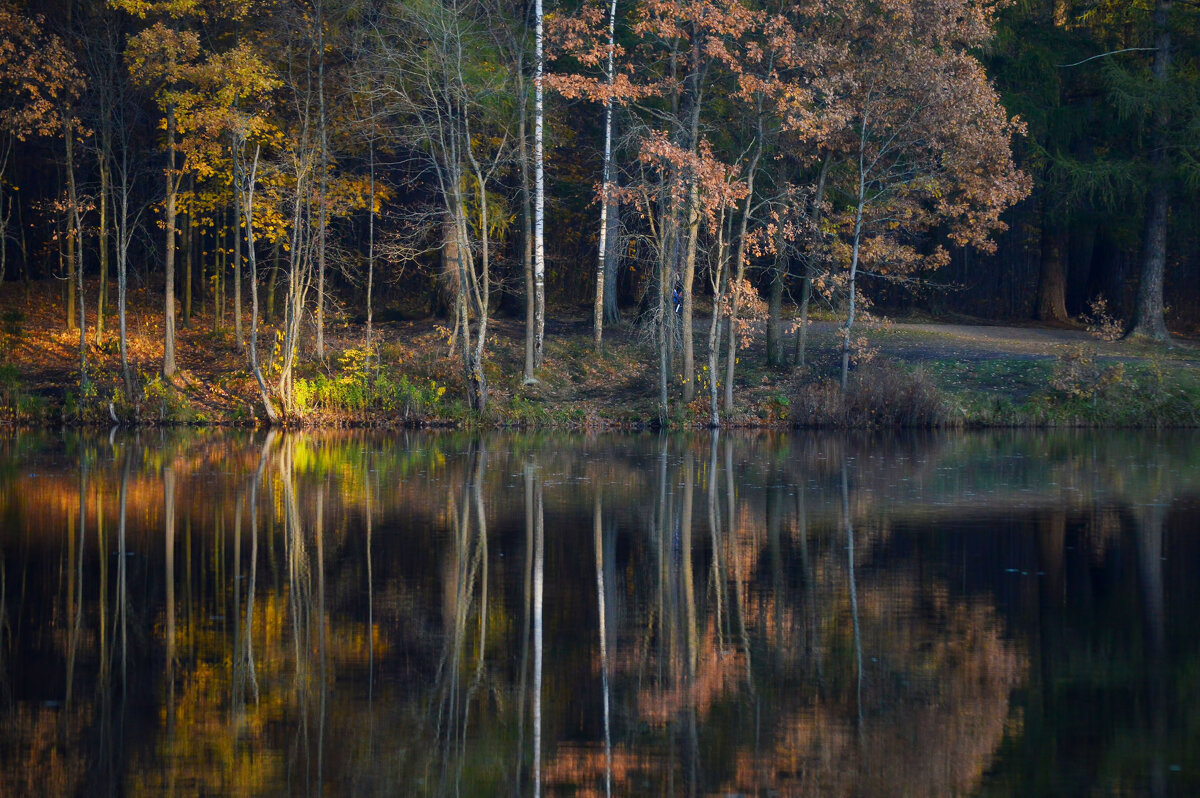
(361, 161)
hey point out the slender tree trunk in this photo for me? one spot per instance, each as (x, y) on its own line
(612, 312)
(666, 313)
(77, 237)
(273, 283)
(5, 214)
(322, 190)
(692, 101)
(248, 218)
(483, 286)
(689, 279)
(539, 202)
(740, 271)
(168, 369)
(819, 245)
(714, 329)
(119, 194)
(239, 334)
(71, 322)
(526, 225)
(1148, 320)
(102, 203)
(188, 245)
(371, 242)
(606, 179)
(858, 224)
(802, 329)
(775, 307)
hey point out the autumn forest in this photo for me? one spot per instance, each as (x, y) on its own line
(313, 207)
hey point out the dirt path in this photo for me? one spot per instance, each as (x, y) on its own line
(922, 341)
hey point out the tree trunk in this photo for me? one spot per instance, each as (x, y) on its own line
(714, 329)
(689, 278)
(539, 184)
(526, 225)
(1052, 277)
(665, 317)
(71, 323)
(819, 245)
(189, 236)
(168, 369)
(858, 226)
(77, 237)
(1148, 320)
(740, 270)
(5, 215)
(323, 166)
(102, 202)
(371, 244)
(612, 257)
(606, 179)
(775, 308)
(802, 327)
(692, 100)
(238, 334)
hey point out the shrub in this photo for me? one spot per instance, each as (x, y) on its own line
(879, 395)
(1100, 322)
(1077, 375)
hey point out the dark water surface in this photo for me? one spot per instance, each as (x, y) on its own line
(438, 614)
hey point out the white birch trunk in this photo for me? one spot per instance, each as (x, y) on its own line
(539, 195)
(606, 180)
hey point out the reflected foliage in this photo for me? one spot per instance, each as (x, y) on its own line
(445, 614)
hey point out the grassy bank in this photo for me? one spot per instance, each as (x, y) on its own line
(407, 375)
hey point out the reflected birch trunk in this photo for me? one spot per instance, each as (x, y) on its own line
(461, 570)
(305, 638)
(122, 580)
(858, 660)
(812, 640)
(237, 677)
(691, 642)
(102, 593)
(168, 476)
(75, 601)
(526, 631)
(601, 608)
(738, 589)
(321, 639)
(538, 569)
(714, 528)
(247, 643)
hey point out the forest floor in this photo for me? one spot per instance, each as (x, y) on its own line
(917, 374)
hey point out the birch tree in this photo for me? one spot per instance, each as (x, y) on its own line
(448, 109)
(539, 202)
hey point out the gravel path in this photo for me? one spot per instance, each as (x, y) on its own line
(987, 341)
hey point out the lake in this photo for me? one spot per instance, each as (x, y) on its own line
(220, 612)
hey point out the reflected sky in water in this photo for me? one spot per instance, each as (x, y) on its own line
(222, 612)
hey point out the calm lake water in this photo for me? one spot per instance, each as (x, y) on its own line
(438, 614)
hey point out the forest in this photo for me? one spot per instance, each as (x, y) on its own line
(293, 202)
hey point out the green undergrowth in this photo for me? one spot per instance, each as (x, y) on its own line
(363, 386)
(414, 380)
(18, 404)
(1075, 388)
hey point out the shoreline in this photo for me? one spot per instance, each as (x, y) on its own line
(918, 375)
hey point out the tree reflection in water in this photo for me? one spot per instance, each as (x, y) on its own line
(448, 615)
